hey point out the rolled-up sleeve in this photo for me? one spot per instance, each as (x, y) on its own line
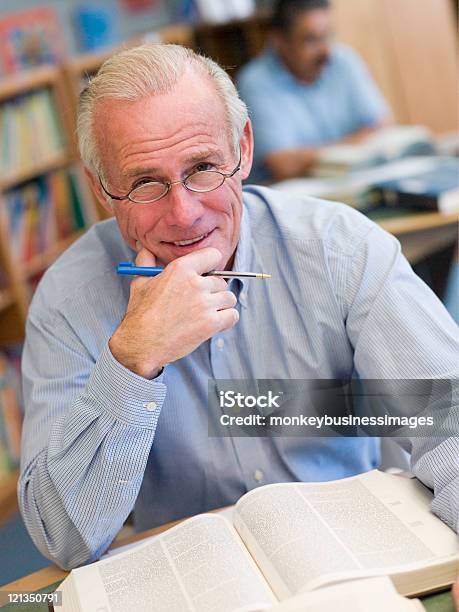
(88, 429)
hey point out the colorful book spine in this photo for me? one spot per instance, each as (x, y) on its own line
(43, 212)
(30, 132)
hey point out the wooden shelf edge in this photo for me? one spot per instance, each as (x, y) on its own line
(53, 163)
(28, 80)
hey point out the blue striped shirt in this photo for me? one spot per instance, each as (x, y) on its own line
(100, 441)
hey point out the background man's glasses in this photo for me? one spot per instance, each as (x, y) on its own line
(199, 182)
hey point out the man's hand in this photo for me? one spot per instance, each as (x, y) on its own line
(291, 163)
(170, 315)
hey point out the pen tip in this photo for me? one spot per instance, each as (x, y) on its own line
(265, 275)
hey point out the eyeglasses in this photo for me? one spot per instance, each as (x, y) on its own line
(200, 181)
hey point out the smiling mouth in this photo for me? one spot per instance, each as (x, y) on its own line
(190, 241)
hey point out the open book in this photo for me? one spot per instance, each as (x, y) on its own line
(377, 594)
(378, 148)
(284, 540)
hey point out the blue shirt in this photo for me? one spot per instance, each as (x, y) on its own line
(98, 440)
(289, 114)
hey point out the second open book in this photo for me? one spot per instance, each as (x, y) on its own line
(284, 539)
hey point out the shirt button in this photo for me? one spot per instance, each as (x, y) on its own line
(150, 406)
(220, 343)
(258, 475)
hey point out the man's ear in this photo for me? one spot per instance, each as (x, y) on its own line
(246, 144)
(98, 191)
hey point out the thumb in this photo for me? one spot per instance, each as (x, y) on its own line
(145, 257)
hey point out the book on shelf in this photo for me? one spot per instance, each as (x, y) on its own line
(40, 213)
(380, 147)
(283, 540)
(436, 189)
(30, 132)
(30, 38)
(98, 26)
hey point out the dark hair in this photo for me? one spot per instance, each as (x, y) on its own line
(286, 11)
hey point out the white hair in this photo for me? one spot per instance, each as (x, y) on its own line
(151, 69)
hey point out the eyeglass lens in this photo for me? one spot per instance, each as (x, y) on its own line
(199, 181)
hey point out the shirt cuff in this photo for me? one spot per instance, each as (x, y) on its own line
(126, 396)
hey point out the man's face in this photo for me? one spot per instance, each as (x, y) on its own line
(165, 138)
(305, 48)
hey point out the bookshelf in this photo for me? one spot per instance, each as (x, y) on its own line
(44, 201)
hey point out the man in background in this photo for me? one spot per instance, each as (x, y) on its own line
(304, 92)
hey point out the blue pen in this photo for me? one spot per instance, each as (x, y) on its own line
(127, 267)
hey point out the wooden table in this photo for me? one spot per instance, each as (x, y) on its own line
(421, 233)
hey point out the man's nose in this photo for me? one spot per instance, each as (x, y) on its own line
(184, 206)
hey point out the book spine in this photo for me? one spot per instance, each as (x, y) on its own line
(30, 131)
(42, 212)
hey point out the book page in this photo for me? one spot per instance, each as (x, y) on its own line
(197, 566)
(305, 535)
(375, 594)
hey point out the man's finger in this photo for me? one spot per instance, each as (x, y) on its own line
(213, 284)
(227, 318)
(223, 299)
(145, 258)
(203, 260)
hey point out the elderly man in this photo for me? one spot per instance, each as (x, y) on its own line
(116, 372)
(304, 92)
